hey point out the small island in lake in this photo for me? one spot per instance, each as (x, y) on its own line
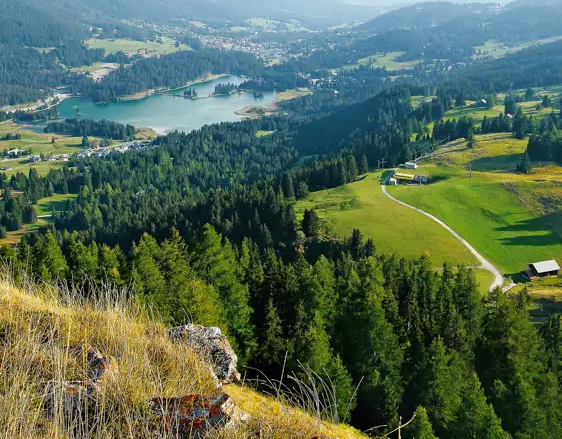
(190, 93)
(224, 89)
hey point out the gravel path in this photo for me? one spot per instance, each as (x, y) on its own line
(484, 263)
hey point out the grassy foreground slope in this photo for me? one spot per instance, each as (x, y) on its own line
(39, 323)
(393, 228)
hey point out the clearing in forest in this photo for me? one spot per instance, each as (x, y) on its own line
(511, 218)
(394, 228)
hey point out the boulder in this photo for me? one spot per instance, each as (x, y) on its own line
(196, 415)
(213, 347)
(74, 400)
(98, 365)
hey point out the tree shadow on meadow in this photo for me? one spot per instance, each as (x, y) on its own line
(499, 163)
(551, 223)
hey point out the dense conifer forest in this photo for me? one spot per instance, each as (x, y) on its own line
(202, 227)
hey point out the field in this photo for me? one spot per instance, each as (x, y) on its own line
(511, 219)
(291, 94)
(262, 133)
(57, 202)
(484, 279)
(492, 152)
(15, 237)
(97, 70)
(387, 61)
(39, 143)
(128, 46)
(497, 49)
(547, 296)
(44, 209)
(264, 23)
(393, 228)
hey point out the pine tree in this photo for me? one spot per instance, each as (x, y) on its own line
(83, 259)
(49, 262)
(421, 427)
(273, 346)
(363, 165)
(310, 223)
(216, 264)
(511, 364)
(186, 297)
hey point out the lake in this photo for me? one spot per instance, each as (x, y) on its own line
(165, 112)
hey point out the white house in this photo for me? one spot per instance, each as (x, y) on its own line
(410, 165)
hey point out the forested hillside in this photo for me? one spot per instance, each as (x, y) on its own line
(204, 227)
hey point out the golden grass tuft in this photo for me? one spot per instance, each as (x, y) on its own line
(39, 322)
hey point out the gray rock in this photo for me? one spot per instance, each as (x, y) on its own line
(213, 347)
(196, 415)
(75, 401)
(98, 364)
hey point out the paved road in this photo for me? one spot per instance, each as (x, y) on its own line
(484, 263)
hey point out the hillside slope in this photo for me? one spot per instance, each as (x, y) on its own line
(40, 328)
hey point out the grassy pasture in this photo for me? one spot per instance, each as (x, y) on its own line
(490, 211)
(484, 279)
(393, 228)
(547, 296)
(496, 49)
(124, 45)
(492, 152)
(388, 61)
(262, 22)
(262, 133)
(39, 143)
(43, 207)
(15, 237)
(57, 201)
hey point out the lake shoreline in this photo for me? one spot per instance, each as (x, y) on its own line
(152, 92)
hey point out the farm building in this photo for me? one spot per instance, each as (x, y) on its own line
(408, 178)
(542, 269)
(403, 178)
(421, 179)
(410, 165)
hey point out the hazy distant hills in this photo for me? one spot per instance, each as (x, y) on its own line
(73, 13)
(423, 15)
(313, 11)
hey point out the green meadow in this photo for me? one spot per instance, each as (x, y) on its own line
(394, 228)
(490, 212)
(114, 45)
(388, 61)
(38, 143)
(56, 202)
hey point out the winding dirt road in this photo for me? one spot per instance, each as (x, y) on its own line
(484, 263)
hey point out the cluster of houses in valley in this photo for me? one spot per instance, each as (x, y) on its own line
(96, 151)
(93, 151)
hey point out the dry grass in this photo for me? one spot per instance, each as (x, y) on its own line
(38, 323)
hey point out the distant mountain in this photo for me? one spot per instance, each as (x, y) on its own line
(430, 14)
(314, 11)
(533, 3)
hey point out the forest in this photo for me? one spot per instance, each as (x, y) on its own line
(203, 226)
(89, 127)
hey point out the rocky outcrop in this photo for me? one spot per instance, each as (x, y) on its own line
(98, 365)
(211, 345)
(76, 400)
(195, 415)
(189, 416)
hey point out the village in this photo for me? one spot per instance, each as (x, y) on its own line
(94, 150)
